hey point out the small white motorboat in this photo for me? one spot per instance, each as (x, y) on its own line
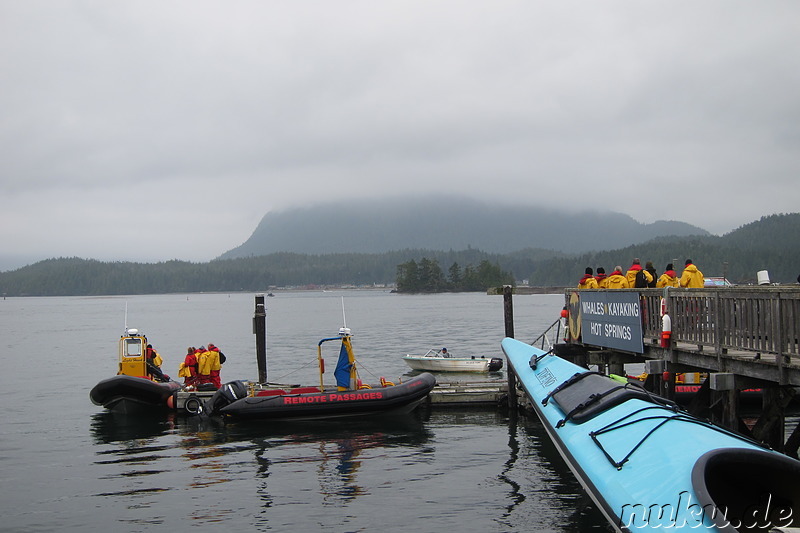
(442, 361)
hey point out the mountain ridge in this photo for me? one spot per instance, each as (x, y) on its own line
(441, 223)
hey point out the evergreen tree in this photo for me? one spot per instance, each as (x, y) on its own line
(455, 278)
(408, 278)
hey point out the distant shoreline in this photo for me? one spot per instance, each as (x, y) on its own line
(528, 290)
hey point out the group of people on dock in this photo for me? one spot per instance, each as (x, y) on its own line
(638, 277)
(201, 367)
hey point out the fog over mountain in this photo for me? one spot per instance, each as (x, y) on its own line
(445, 223)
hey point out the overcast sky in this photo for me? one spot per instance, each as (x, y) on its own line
(156, 130)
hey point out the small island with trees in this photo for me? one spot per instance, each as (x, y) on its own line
(427, 276)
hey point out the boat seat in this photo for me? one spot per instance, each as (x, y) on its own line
(587, 394)
(304, 390)
(271, 392)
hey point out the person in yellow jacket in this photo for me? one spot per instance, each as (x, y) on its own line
(208, 367)
(616, 280)
(691, 278)
(668, 278)
(633, 271)
(601, 278)
(587, 281)
(153, 356)
(154, 361)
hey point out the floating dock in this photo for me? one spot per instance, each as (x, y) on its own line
(468, 393)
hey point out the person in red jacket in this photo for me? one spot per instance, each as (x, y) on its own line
(188, 369)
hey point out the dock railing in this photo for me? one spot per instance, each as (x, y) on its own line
(742, 337)
(551, 336)
(765, 320)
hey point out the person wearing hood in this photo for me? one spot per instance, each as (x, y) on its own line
(215, 377)
(644, 278)
(668, 278)
(601, 278)
(587, 281)
(154, 361)
(616, 280)
(691, 278)
(188, 368)
(653, 274)
(208, 367)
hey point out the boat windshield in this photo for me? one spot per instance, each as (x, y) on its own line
(133, 347)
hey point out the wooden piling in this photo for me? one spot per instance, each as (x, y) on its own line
(260, 331)
(508, 313)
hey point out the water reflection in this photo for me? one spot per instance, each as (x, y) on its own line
(108, 427)
(576, 508)
(334, 449)
(209, 444)
(269, 468)
(516, 495)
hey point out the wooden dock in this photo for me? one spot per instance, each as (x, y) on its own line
(468, 393)
(741, 338)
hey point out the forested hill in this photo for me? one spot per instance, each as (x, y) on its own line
(75, 276)
(772, 243)
(446, 223)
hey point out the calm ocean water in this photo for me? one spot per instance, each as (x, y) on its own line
(69, 466)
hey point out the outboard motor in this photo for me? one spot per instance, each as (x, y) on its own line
(495, 363)
(226, 395)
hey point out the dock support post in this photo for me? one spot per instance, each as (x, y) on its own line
(771, 426)
(616, 368)
(260, 331)
(730, 409)
(508, 312)
(700, 405)
(779, 344)
(793, 442)
(726, 398)
(669, 386)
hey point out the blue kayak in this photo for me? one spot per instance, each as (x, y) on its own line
(648, 465)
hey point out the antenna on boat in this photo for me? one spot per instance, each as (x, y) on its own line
(344, 330)
(129, 331)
